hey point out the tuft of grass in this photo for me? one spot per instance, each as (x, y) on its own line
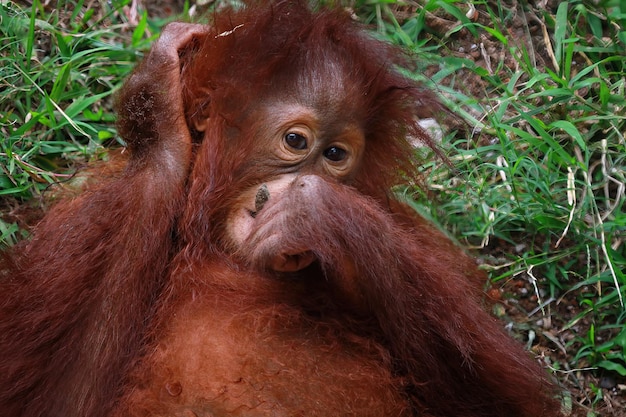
(59, 68)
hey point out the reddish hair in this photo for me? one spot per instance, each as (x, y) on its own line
(255, 53)
(260, 53)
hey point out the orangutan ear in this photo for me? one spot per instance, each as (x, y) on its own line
(200, 123)
(197, 111)
(196, 98)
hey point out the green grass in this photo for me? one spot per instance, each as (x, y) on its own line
(538, 186)
(541, 168)
(58, 70)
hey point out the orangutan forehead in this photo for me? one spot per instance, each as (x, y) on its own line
(328, 86)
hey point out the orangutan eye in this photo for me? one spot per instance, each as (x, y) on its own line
(335, 154)
(295, 141)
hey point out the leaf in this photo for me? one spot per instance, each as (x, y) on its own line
(571, 130)
(612, 366)
(560, 30)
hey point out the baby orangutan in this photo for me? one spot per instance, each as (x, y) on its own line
(251, 259)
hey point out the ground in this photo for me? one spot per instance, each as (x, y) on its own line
(516, 300)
